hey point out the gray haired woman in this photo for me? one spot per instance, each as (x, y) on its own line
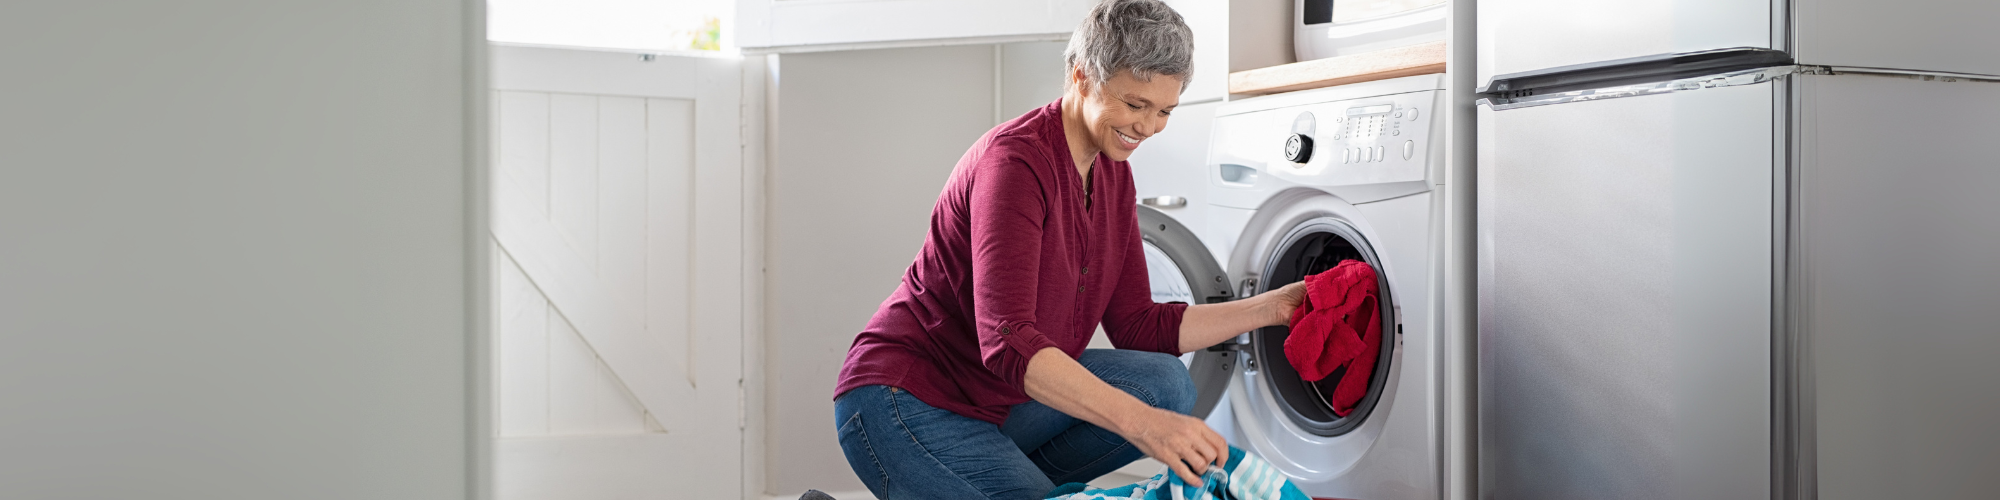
(972, 380)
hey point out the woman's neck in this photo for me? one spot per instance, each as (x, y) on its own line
(1082, 151)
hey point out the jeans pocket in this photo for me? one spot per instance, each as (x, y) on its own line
(861, 455)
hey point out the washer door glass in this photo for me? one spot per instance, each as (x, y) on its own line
(1180, 269)
(1169, 284)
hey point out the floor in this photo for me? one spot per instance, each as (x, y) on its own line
(1141, 470)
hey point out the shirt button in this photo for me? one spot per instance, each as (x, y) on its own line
(1079, 289)
(1004, 331)
(1086, 270)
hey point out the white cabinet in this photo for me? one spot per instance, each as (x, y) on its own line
(793, 23)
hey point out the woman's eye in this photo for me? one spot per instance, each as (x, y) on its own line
(1133, 106)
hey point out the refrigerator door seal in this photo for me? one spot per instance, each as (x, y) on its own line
(1925, 75)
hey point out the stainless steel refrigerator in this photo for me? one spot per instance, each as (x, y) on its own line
(1738, 249)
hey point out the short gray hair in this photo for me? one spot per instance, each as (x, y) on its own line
(1145, 37)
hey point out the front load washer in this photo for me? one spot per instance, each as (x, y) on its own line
(1298, 182)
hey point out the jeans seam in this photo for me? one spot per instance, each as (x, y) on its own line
(1121, 446)
(898, 410)
(862, 429)
(1100, 458)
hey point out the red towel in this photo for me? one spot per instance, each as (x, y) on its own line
(1338, 323)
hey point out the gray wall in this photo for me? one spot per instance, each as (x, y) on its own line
(235, 250)
(864, 142)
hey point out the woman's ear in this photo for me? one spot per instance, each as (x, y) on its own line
(1078, 81)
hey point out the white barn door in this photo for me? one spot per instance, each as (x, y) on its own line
(619, 272)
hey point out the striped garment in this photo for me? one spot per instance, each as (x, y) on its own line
(1244, 477)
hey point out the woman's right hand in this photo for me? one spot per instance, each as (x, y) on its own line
(1184, 443)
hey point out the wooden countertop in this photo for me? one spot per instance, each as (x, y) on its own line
(1398, 62)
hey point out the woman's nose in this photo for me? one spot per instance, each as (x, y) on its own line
(1152, 125)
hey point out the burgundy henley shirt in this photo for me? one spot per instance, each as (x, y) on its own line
(1015, 261)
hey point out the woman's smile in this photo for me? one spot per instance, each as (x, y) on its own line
(1127, 141)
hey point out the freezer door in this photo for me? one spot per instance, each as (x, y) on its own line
(1896, 288)
(1625, 275)
(1952, 36)
(1524, 35)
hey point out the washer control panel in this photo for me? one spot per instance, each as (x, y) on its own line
(1380, 146)
(1366, 127)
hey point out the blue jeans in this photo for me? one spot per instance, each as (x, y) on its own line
(905, 449)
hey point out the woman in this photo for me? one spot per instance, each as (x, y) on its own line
(971, 380)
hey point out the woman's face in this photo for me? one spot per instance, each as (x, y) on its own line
(1123, 112)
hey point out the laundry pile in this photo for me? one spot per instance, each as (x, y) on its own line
(1242, 477)
(1338, 325)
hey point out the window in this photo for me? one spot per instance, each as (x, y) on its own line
(662, 25)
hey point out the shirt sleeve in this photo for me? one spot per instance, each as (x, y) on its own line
(1008, 209)
(1132, 319)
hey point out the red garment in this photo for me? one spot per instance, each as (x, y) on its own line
(1339, 323)
(1014, 263)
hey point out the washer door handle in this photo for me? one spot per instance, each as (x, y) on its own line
(1164, 201)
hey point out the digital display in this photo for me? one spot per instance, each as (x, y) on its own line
(1369, 110)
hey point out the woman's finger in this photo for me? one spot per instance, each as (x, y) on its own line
(1221, 448)
(1182, 470)
(1199, 449)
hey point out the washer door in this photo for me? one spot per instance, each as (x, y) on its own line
(1180, 269)
(1310, 248)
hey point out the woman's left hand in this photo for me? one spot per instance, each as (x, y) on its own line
(1284, 300)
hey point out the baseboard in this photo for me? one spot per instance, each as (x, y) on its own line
(837, 495)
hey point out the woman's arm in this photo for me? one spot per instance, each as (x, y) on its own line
(1205, 325)
(1184, 443)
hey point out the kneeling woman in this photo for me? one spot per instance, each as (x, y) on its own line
(972, 380)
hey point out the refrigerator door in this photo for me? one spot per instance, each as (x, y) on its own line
(1625, 283)
(1895, 288)
(1524, 35)
(1950, 36)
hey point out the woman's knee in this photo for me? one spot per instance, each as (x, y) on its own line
(1161, 376)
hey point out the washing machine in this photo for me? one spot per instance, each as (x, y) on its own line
(1296, 183)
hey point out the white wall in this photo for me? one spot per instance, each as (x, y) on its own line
(236, 249)
(865, 140)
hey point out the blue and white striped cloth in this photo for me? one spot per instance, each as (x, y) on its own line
(1244, 477)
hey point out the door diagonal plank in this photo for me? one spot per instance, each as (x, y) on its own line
(613, 326)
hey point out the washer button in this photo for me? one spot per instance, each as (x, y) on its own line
(1413, 114)
(1409, 149)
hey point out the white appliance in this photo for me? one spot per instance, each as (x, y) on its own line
(1737, 249)
(1297, 183)
(1328, 28)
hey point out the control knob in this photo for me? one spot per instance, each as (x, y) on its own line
(1298, 148)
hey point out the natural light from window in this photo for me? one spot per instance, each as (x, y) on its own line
(650, 25)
